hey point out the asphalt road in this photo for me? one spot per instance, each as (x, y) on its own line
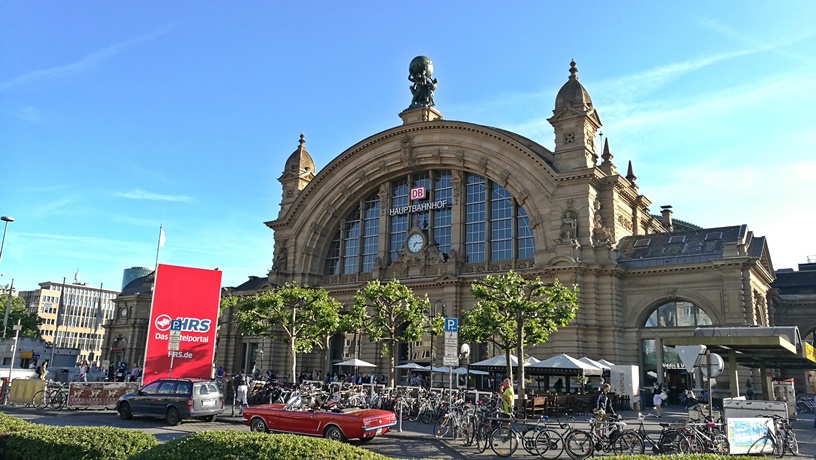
(414, 442)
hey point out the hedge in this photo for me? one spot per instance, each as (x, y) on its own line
(10, 424)
(240, 445)
(74, 442)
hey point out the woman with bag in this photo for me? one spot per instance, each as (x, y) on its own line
(657, 398)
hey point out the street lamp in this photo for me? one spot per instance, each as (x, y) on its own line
(5, 219)
(436, 304)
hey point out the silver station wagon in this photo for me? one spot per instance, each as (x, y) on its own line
(174, 400)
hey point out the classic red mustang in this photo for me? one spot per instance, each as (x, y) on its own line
(363, 424)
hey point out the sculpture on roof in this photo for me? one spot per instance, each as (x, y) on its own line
(419, 73)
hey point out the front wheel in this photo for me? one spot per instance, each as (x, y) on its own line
(669, 442)
(578, 444)
(257, 425)
(124, 411)
(549, 444)
(504, 441)
(442, 427)
(40, 399)
(628, 443)
(790, 443)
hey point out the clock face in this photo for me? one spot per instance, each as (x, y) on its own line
(415, 242)
(123, 312)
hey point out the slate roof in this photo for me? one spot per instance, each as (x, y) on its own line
(790, 279)
(254, 283)
(138, 286)
(694, 246)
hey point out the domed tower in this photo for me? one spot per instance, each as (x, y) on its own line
(576, 124)
(298, 172)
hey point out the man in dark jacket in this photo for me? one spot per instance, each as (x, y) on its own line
(604, 404)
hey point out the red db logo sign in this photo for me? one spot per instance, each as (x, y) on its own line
(418, 193)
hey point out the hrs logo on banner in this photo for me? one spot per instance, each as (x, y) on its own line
(163, 323)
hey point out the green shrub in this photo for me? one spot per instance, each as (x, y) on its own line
(75, 442)
(240, 445)
(10, 424)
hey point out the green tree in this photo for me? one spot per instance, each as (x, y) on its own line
(389, 314)
(513, 313)
(17, 311)
(306, 316)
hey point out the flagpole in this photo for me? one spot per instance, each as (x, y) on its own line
(158, 246)
(56, 329)
(99, 315)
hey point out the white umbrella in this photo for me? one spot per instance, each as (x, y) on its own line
(563, 363)
(463, 371)
(355, 363)
(606, 363)
(411, 366)
(499, 363)
(592, 362)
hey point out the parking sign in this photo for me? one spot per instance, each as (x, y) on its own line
(451, 324)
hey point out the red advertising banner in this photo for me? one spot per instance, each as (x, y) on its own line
(185, 299)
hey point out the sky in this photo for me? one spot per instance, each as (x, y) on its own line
(117, 118)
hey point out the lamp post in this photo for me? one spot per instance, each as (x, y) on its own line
(17, 328)
(8, 306)
(433, 315)
(5, 219)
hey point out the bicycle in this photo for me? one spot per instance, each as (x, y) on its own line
(668, 442)
(604, 435)
(704, 437)
(54, 394)
(776, 441)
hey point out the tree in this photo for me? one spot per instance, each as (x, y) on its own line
(513, 312)
(390, 313)
(17, 311)
(306, 317)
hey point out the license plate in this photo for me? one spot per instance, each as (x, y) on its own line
(379, 431)
(208, 403)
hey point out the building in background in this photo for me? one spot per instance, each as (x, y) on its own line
(132, 273)
(84, 311)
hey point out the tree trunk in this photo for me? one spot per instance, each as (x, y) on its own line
(294, 358)
(392, 358)
(520, 343)
(509, 374)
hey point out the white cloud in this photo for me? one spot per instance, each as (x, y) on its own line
(139, 194)
(29, 114)
(86, 64)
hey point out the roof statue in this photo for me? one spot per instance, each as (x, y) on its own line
(419, 73)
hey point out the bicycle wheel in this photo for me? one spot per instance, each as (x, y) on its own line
(41, 399)
(427, 415)
(504, 441)
(482, 437)
(628, 443)
(790, 444)
(549, 444)
(578, 444)
(442, 427)
(57, 400)
(669, 442)
(763, 446)
(468, 430)
(719, 445)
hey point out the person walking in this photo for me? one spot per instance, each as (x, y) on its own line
(240, 382)
(83, 371)
(657, 399)
(603, 406)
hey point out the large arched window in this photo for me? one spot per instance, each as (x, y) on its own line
(491, 225)
(678, 314)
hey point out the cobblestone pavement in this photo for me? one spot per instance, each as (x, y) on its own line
(415, 441)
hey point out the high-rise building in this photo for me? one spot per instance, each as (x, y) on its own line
(78, 323)
(132, 273)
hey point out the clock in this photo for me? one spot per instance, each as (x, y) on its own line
(415, 242)
(123, 312)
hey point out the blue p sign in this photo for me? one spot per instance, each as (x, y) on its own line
(175, 325)
(451, 324)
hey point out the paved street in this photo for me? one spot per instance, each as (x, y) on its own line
(415, 440)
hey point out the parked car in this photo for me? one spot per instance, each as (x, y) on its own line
(174, 400)
(294, 417)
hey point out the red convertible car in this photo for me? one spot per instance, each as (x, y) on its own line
(364, 424)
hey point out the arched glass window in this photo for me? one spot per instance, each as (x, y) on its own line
(354, 248)
(678, 314)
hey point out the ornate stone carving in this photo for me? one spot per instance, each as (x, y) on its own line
(345, 191)
(456, 185)
(569, 224)
(437, 156)
(382, 166)
(460, 157)
(522, 196)
(408, 155)
(505, 174)
(383, 195)
(329, 209)
(483, 165)
(534, 219)
(625, 223)
(362, 177)
(317, 228)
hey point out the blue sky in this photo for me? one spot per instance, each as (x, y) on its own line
(116, 117)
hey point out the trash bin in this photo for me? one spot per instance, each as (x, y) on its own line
(62, 376)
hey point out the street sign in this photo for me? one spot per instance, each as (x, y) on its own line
(450, 360)
(451, 339)
(451, 324)
(174, 339)
(690, 355)
(175, 325)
